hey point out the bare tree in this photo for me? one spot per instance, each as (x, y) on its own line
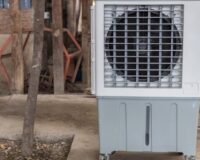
(30, 109)
(58, 63)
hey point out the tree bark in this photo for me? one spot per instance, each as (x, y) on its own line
(6, 19)
(17, 56)
(77, 14)
(30, 109)
(86, 42)
(58, 57)
(70, 16)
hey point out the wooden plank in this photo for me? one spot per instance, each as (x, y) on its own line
(6, 22)
(30, 109)
(58, 57)
(17, 56)
(146, 156)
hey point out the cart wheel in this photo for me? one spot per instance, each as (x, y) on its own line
(103, 157)
(191, 158)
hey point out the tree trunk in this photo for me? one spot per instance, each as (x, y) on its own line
(17, 56)
(30, 109)
(58, 57)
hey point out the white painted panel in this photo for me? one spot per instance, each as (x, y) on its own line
(136, 127)
(164, 127)
(112, 126)
(187, 127)
(93, 51)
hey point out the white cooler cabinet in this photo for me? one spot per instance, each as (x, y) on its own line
(145, 74)
(155, 125)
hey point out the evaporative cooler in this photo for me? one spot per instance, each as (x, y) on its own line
(146, 74)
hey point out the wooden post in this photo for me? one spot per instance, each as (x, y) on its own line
(30, 109)
(86, 42)
(58, 57)
(70, 16)
(17, 56)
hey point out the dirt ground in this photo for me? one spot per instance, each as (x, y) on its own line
(57, 116)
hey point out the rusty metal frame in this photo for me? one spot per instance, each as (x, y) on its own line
(70, 56)
(3, 70)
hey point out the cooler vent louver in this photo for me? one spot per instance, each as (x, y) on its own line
(143, 46)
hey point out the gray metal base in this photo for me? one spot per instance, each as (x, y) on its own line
(107, 157)
(152, 125)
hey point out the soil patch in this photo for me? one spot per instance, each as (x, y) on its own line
(43, 150)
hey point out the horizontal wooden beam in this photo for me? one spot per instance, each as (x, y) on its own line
(6, 22)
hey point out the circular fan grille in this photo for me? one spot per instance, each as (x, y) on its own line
(149, 45)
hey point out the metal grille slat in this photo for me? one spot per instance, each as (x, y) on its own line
(144, 57)
(172, 39)
(160, 43)
(137, 48)
(114, 47)
(149, 47)
(126, 45)
(141, 37)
